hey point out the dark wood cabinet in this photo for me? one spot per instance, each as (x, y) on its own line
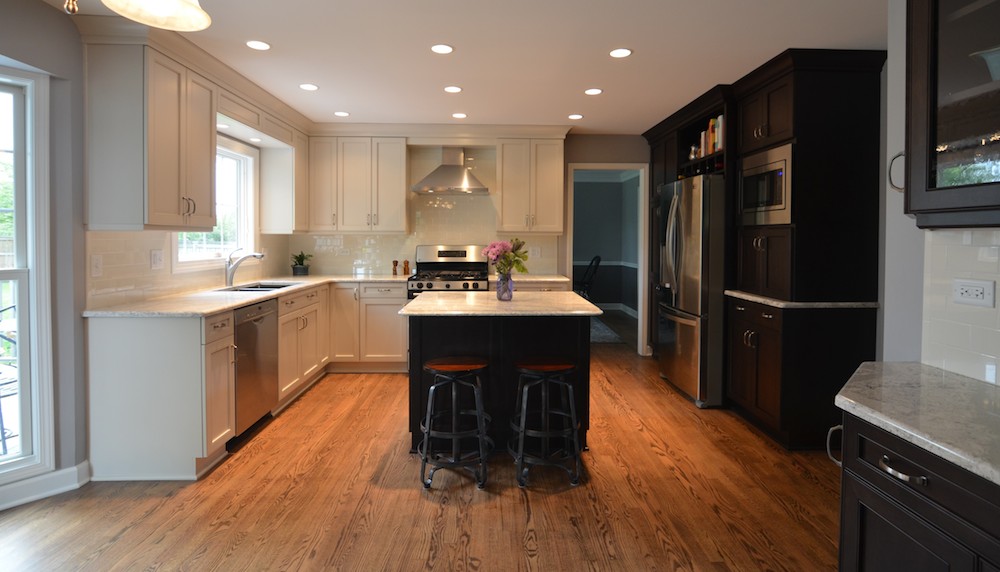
(766, 116)
(952, 114)
(755, 360)
(786, 365)
(765, 261)
(903, 508)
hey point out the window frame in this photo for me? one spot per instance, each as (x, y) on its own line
(34, 273)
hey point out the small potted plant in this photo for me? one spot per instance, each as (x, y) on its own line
(299, 266)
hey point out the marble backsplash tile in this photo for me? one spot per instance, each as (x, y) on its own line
(959, 338)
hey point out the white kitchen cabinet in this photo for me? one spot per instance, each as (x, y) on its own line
(303, 339)
(284, 188)
(345, 302)
(530, 179)
(383, 331)
(365, 322)
(150, 141)
(357, 184)
(160, 409)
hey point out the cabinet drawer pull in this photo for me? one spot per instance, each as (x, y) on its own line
(766, 315)
(741, 308)
(829, 451)
(883, 464)
(218, 325)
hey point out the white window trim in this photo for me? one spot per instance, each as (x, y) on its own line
(177, 267)
(39, 331)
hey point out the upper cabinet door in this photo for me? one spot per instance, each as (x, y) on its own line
(322, 183)
(200, 150)
(165, 84)
(354, 183)
(953, 113)
(530, 177)
(389, 190)
(514, 183)
(547, 185)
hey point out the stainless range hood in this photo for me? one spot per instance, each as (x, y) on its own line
(451, 178)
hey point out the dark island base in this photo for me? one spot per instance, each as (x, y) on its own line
(503, 341)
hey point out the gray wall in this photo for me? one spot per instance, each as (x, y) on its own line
(40, 36)
(606, 149)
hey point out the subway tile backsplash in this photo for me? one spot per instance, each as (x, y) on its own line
(960, 338)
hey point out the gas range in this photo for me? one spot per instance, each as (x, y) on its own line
(444, 268)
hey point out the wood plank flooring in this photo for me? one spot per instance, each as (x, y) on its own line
(330, 485)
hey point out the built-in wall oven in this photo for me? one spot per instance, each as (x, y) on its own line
(765, 187)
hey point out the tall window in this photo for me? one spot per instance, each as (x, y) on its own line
(25, 357)
(236, 167)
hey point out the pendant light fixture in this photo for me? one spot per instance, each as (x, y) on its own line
(176, 15)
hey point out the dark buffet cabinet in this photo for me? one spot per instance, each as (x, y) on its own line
(953, 113)
(903, 508)
(787, 364)
(825, 104)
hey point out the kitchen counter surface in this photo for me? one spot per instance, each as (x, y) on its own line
(207, 302)
(776, 303)
(950, 415)
(486, 304)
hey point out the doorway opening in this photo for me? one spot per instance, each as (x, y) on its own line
(607, 203)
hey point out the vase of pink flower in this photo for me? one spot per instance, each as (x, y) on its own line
(506, 256)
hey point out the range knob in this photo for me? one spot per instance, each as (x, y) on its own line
(430, 285)
(420, 285)
(447, 285)
(475, 285)
(465, 285)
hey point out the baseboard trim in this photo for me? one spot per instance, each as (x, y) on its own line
(43, 486)
(631, 312)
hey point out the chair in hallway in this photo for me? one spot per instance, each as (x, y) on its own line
(582, 286)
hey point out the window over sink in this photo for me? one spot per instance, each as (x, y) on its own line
(236, 175)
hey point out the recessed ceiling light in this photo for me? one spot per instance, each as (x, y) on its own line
(308, 87)
(459, 115)
(453, 89)
(221, 126)
(255, 139)
(442, 49)
(594, 91)
(258, 45)
(620, 53)
(341, 113)
(575, 116)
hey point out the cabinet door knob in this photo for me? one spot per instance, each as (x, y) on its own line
(883, 464)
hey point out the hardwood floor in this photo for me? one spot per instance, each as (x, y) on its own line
(330, 485)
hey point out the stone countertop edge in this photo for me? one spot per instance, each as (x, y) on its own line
(568, 304)
(203, 303)
(952, 416)
(776, 303)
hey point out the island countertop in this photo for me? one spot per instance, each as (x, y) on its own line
(950, 415)
(486, 304)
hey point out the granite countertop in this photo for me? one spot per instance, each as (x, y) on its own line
(207, 302)
(776, 303)
(486, 304)
(950, 415)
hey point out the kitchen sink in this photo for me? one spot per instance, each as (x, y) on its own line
(259, 287)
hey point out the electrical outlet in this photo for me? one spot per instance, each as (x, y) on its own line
(534, 252)
(973, 292)
(156, 259)
(96, 265)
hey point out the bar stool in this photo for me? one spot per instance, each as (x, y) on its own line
(545, 421)
(455, 423)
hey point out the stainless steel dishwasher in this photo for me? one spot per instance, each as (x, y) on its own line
(256, 362)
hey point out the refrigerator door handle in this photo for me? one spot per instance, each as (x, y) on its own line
(670, 248)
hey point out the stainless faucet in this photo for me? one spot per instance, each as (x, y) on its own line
(231, 266)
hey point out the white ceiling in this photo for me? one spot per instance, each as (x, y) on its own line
(520, 62)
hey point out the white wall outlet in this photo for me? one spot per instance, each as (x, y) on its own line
(973, 292)
(156, 259)
(96, 265)
(534, 252)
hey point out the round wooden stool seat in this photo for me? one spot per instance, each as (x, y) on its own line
(453, 365)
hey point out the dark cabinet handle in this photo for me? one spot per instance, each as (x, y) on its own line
(892, 162)
(740, 308)
(766, 315)
(883, 464)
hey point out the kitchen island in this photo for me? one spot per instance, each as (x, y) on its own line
(533, 324)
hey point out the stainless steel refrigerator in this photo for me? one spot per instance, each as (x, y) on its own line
(692, 219)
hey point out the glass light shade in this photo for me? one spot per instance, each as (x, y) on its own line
(176, 15)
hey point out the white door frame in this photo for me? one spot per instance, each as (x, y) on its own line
(643, 348)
